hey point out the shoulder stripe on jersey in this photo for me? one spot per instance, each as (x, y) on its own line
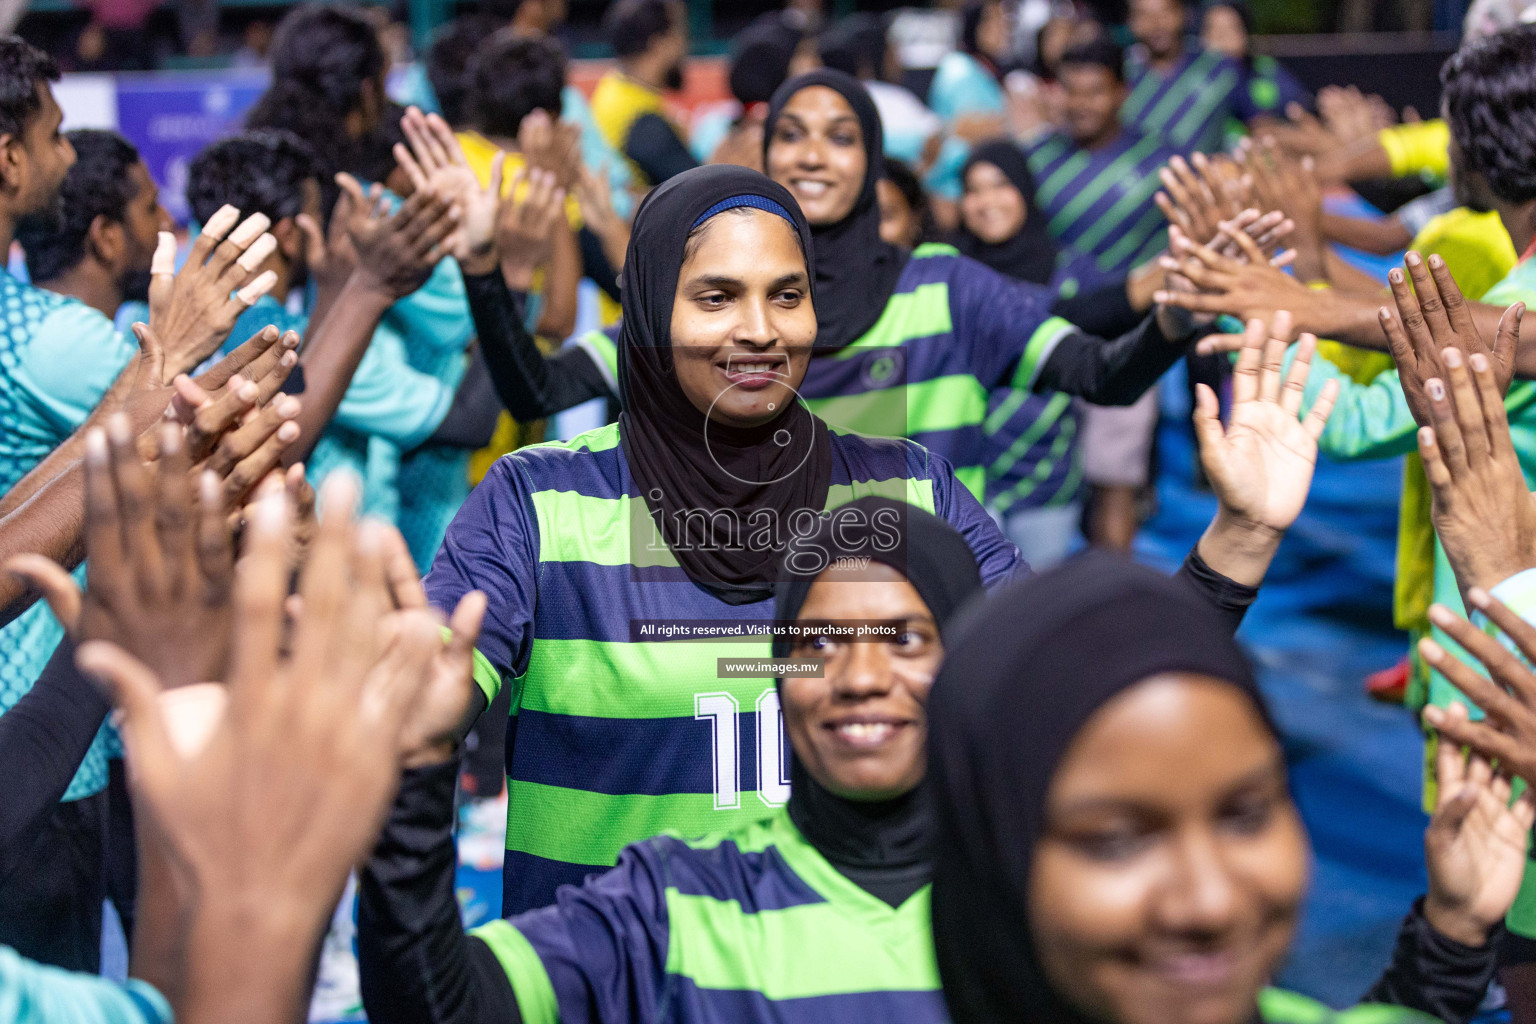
(535, 993)
(919, 313)
(605, 354)
(1211, 93)
(1041, 344)
(1044, 470)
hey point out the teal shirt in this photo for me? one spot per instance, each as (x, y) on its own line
(386, 398)
(33, 993)
(58, 357)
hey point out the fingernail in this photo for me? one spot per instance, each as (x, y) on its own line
(248, 392)
(288, 407)
(96, 446)
(1395, 276)
(1431, 650)
(1435, 261)
(288, 432)
(1452, 358)
(1427, 437)
(1384, 313)
(1412, 259)
(117, 429)
(1440, 615)
(1479, 598)
(1433, 715)
(1435, 388)
(271, 511)
(208, 484)
(1479, 362)
(289, 358)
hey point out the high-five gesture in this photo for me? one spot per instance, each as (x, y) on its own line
(286, 788)
(192, 310)
(1261, 463)
(396, 253)
(1433, 316)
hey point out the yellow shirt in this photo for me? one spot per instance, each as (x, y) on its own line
(1422, 147)
(481, 154)
(619, 101)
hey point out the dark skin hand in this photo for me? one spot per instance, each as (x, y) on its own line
(1508, 698)
(225, 432)
(392, 256)
(256, 823)
(1481, 509)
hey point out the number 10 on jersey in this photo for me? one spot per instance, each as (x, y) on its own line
(723, 712)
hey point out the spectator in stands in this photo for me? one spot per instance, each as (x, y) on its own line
(857, 45)
(650, 39)
(1179, 91)
(97, 246)
(905, 219)
(1226, 26)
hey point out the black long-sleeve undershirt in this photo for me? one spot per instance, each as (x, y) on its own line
(1433, 974)
(43, 739)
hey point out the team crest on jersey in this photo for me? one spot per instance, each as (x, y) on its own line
(883, 368)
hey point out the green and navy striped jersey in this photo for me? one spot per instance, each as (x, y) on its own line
(952, 332)
(1033, 456)
(752, 927)
(618, 736)
(1187, 108)
(58, 357)
(1098, 203)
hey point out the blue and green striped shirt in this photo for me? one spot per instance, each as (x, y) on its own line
(1189, 107)
(752, 927)
(1099, 204)
(618, 737)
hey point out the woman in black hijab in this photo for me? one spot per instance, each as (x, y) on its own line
(1116, 841)
(1006, 232)
(842, 871)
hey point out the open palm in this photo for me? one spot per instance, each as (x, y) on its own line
(1474, 848)
(1261, 463)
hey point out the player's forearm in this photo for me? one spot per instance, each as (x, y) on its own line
(249, 958)
(331, 358)
(1382, 237)
(1346, 277)
(1364, 160)
(558, 317)
(1342, 316)
(50, 523)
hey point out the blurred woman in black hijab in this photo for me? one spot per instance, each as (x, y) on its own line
(1116, 839)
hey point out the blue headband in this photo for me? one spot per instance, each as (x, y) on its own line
(754, 202)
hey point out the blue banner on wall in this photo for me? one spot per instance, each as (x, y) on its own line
(172, 117)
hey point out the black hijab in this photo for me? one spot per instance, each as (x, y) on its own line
(1029, 255)
(856, 273)
(1024, 673)
(882, 846)
(682, 462)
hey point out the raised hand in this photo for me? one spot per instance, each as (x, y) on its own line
(286, 789)
(435, 728)
(551, 145)
(1507, 697)
(596, 203)
(1474, 848)
(1433, 316)
(1251, 287)
(396, 253)
(161, 563)
(435, 161)
(1261, 463)
(1480, 506)
(192, 310)
(1196, 199)
(525, 227)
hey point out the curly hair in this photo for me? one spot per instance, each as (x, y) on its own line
(255, 172)
(22, 67)
(1490, 105)
(98, 185)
